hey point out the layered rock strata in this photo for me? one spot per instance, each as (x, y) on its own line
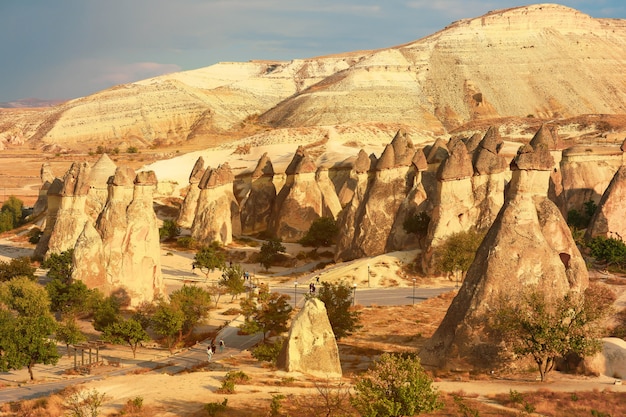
(529, 246)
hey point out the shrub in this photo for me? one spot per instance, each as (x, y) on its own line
(132, 149)
(396, 386)
(34, 235)
(322, 232)
(268, 352)
(609, 250)
(213, 409)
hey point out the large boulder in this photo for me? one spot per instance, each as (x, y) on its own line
(528, 246)
(311, 347)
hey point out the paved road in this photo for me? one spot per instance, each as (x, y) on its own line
(371, 296)
(197, 354)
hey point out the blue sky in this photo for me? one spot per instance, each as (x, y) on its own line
(56, 49)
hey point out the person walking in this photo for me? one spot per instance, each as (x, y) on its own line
(222, 345)
(209, 352)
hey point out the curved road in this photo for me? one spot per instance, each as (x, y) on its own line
(197, 354)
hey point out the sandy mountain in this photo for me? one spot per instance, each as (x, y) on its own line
(548, 61)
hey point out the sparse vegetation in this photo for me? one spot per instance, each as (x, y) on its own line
(611, 251)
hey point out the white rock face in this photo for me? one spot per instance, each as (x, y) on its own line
(310, 347)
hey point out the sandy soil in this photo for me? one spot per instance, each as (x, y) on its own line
(186, 393)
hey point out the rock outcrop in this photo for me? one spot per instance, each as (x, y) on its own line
(47, 177)
(586, 172)
(256, 208)
(528, 246)
(217, 213)
(311, 347)
(190, 203)
(609, 219)
(300, 200)
(374, 214)
(71, 216)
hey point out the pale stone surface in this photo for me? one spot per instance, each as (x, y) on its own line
(311, 347)
(217, 214)
(609, 219)
(299, 201)
(528, 246)
(190, 203)
(586, 172)
(256, 207)
(610, 361)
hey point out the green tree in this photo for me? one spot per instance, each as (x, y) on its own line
(269, 251)
(233, 281)
(338, 301)
(106, 311)
(168, 321)
(26, 325)
(395, 386)
(169, 230)
(60, 266)
(69, 333)
(417, 224)
(127, 332)
(17, 267)
(209, 258)
(11, 214)
(143, 314)
(194, 302)
(269, 313)
(457, 253)
(534, 325)
(322, 232)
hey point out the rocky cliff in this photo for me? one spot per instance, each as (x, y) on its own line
(528, 246)
(544, 60)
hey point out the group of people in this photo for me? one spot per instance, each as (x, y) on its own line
(212, 348)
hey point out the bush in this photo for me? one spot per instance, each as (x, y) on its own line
(169, 230)
(396, 386)
(609, 250)
(34, 235)
(238, 377)
(186, 242)
(213, 409)
(228, 387)
(268, 352)
(132, 149)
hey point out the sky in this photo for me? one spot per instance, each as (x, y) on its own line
(65, 49)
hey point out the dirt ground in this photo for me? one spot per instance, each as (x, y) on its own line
(385, 329)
